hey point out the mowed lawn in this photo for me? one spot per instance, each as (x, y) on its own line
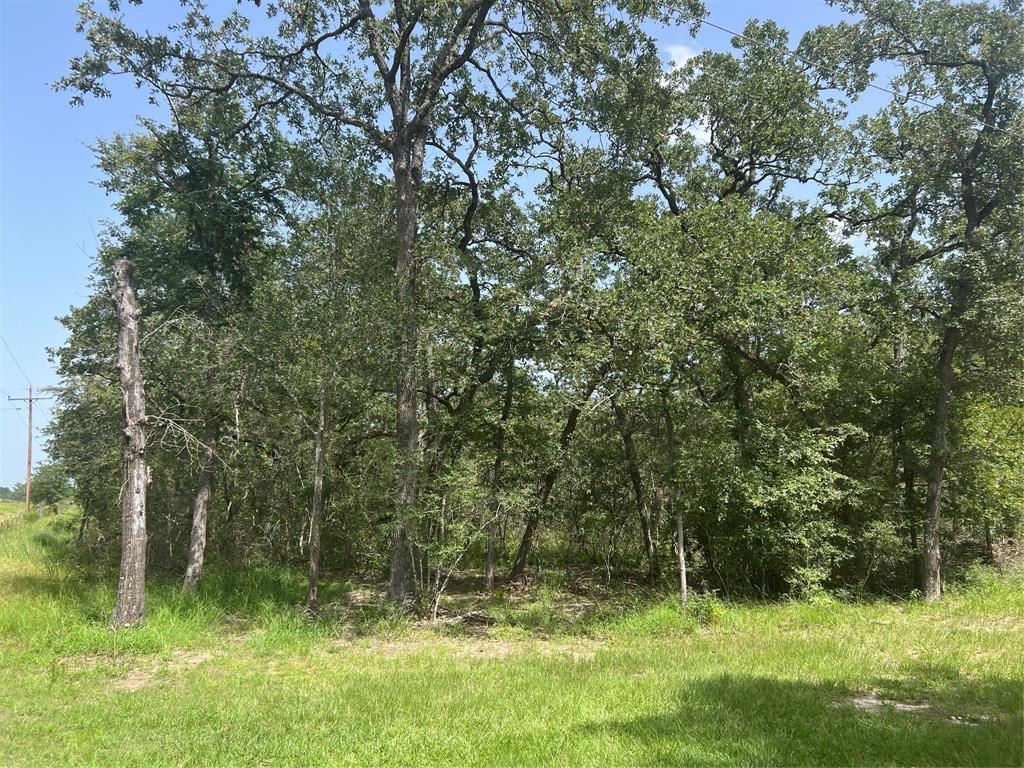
(238, 675)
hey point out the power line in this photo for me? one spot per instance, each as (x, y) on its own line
(15, 359)
(20, 417)
(832, 71)
(30, 400)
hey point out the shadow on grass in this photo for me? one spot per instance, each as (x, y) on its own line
(746, 720)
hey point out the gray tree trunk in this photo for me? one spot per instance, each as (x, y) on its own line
(407, 161)
(130, 607)
(932, 577)
(647, 535)
(673, 499)
(200, 508)
(317, 510)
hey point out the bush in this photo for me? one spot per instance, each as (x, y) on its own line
(706, 608)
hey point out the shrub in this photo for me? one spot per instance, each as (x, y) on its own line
(706, 608)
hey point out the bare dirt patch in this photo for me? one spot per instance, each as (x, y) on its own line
(133, 681)
(143, 676)
(484, 648)
(872, 702)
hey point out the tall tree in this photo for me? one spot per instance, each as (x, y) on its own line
(951, 143)
(418, 62)
(130, 608)
(203, 195)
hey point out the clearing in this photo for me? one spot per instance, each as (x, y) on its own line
(238, 674)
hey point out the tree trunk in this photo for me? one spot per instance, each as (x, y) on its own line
(316, 511)
(522, 553)
(684, 592)
(499, 458)
(932, 581)
(407, 163)
(200, 506)
(526, 542)
(490, 556)
(130, 607)
(703, 537)
(551, 476)
(673, 499)
(82, 526)
(647, 535)
(902, 459)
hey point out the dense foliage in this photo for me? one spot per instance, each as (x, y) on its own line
(719, 306)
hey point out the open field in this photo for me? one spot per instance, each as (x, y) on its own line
(9, 510)
(239, 675)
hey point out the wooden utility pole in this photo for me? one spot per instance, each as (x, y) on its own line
(28, 461)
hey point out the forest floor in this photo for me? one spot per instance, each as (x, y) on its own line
(239, 675)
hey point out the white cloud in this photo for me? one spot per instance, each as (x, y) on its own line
(679, 54)
(700, 132)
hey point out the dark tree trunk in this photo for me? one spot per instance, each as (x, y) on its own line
(647, 535)
(902, 459)
(548, 483)
(200, 507)
(906, 480)
(317, 508)
(932, 578)
(407, 164)
(961, 289)
(526, 542)
(130, 607)
(910, 506)
(490, 555)
(703, 537)
(82, 524)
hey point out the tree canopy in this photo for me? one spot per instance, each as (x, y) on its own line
(482, 285)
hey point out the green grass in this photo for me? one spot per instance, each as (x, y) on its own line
(10, 510)
(239, 675)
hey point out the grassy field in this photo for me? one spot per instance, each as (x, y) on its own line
(239, 675)
(9, 510)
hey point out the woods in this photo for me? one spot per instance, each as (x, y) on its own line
(492, 288)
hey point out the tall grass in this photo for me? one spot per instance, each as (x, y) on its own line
(239, 673)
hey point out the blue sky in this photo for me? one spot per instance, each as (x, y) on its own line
(51, 209)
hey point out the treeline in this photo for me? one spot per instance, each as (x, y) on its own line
(486, 286)
(17, 493)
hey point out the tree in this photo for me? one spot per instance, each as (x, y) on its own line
(954, 204)
(600, 309)
(51, 484)
(130, 608)
(208, 194)
(419, 61)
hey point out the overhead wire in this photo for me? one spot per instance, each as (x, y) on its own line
(20, 417)
(15, 359)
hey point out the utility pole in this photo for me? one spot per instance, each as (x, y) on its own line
(28, 462)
